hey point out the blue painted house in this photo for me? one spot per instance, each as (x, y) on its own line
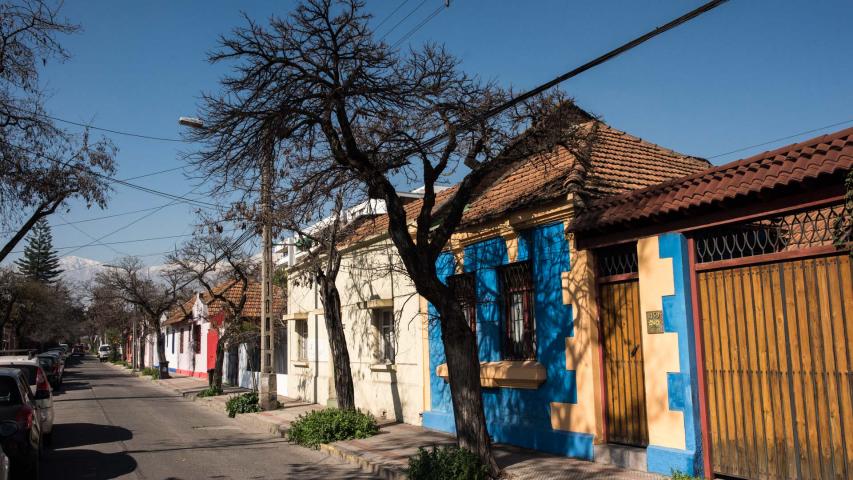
(560, 343)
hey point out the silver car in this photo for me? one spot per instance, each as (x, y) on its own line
(40, 387)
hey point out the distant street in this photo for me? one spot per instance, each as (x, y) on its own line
(112, 425)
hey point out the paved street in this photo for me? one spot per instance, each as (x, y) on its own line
(113, 425)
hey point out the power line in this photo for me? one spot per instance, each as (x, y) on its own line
(387, 17)
(781, 138)
(117, 252)
(586, 66)
(152, 191)
(93, 127)
(418, 26)
(104, 217)
(124, 242)
(417, 7)
(158, 172)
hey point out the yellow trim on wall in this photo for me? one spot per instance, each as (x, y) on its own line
(660, 351)
(506, 374)
(582, 351)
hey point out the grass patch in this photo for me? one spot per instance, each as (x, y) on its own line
(243, 403)
(154, 373)
(331, 425)
(121, 363)
(210, 392)
(448, 462)
(679, 475)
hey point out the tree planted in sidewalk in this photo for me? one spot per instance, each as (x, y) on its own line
(338, 101)
(152, 297)
(224, 270)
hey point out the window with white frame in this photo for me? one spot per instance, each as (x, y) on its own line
(385, 325)
(301, 327)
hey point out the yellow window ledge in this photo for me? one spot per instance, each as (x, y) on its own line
(525, 374)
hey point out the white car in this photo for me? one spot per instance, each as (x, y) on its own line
(104, 352)
(39, 385)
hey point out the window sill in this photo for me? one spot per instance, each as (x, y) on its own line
(527, 374)
(300, 364)
(384, 367)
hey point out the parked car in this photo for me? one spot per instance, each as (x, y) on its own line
(78, 350)
(38, 383)
(52, 367)
(104, 352)
(4, 465)
(20, 425)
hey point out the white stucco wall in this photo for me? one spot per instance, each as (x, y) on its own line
(366, 274)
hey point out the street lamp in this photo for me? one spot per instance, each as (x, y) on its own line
(267, 385)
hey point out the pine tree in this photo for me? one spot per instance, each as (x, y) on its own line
(40, 261)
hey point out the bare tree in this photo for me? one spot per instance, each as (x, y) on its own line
(151, 297)
(42, 167)
(219, 265)
(323, 263)
(338, 102)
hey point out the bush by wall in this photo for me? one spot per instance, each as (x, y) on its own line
(151, 372)
(446, 463)
(243, 403)
(331, 425)
(210, 392)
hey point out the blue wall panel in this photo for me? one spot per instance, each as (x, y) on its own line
(520, 416)
(682, 389)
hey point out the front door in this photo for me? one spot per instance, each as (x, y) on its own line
(623, 363)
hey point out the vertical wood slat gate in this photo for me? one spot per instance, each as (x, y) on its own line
(779, 386)
(623, 363)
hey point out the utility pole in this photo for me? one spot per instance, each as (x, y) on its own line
(267, 388)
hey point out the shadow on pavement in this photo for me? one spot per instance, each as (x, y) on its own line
(68, 435)
(86, 464)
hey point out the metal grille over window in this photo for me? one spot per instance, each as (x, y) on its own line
(465, 290)
(617, 260)
(301, 328)
(796, 231)
(519, 322)
(386, 333)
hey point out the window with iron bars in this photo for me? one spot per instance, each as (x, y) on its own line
(782, 233)
(617, 260)
(465, 291)
(301, 328)
(519, 322)
(385, 324)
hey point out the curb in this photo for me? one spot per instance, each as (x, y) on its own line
(374, 468)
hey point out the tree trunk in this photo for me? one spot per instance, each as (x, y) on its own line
(337, 344)
(463, 367)
(44, 209)
(161, 346)
(217, 366)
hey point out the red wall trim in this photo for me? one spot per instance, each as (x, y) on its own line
(190, 373)
(698, 340)
(767, 258)
(619, 278)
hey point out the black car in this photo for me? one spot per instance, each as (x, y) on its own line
(20, 426)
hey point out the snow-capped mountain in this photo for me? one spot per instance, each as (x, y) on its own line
(79, 269)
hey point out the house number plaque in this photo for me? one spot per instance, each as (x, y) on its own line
(654, 321)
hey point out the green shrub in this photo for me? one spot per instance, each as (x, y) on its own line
(679, 475)
(243, 403)
(446, 463)
(331, 425)
(151, 372)
(210, 392)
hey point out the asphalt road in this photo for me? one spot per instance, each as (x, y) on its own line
(113, 425)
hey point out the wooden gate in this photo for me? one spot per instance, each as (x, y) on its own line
(777, 363)
(623, 363)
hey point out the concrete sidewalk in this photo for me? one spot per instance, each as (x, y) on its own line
(274, 422)
(387, 455)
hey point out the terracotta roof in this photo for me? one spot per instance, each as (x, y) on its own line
(618, 162)
(812, 160)
(232, 291)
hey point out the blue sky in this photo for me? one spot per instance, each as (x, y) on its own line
(748, 72)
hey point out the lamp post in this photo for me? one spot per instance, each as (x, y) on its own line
(267, 389)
